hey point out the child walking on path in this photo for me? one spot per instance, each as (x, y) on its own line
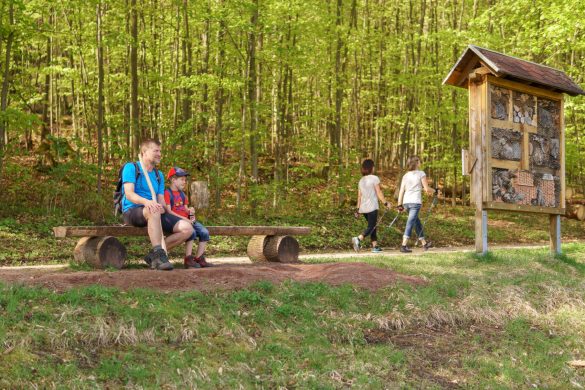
(367, 204)
(410, 199)
(177, 205)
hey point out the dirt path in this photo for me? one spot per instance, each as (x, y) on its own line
(229, 273)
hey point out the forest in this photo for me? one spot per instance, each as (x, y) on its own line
(273, 102)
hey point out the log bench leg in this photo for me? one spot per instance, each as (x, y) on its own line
(256, 247)
(100, 252)
(280, 249)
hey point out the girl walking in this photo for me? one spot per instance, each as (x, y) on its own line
(367, 204)
(410, 199)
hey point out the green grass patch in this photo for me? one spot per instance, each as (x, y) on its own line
(510, 319)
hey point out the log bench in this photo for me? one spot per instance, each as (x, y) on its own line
(100, 248)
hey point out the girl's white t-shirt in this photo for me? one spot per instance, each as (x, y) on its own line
(369, 200)
(412, 184)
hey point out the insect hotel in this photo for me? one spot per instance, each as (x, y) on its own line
(516, 155)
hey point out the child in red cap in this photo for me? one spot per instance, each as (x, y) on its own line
(177, 204)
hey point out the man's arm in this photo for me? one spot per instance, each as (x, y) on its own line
(133, 197)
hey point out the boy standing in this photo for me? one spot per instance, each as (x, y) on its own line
(176, 204)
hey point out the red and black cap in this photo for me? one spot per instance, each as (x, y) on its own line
(176, 171)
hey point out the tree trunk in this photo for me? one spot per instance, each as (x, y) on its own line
(187, 62)
(6, 83)
(134, 111)
(252, 98)
(100, 108)
(219, 102)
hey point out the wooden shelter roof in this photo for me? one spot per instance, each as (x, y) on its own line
(510, 68)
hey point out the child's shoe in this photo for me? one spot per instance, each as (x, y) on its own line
(356, 244)
(202, 262)
(191, 262)
(376, 249)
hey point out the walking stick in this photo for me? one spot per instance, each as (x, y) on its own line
(153, 194)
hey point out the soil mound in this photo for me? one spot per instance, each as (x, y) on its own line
(220, 277)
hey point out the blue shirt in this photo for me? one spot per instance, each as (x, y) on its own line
(141, 186)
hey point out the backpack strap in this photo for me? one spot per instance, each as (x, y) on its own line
(137, 170)
(167, 190)
(182, 196)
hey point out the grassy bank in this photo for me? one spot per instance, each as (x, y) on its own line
(512, 319)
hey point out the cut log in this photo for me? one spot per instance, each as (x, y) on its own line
(86, 231)
(256, 247)
(569, 193)
(282, 249)
(199, 195)
(100, 252)
(575, 211)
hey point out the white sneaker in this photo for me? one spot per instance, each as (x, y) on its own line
(356, 244)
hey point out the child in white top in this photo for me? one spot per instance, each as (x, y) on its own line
(410, 199)
(367, 204)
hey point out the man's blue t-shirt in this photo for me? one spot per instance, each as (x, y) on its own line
(141, 187)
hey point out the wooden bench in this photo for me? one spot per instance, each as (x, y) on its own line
(100, 248)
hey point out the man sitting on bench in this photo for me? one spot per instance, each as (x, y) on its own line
(141, 210)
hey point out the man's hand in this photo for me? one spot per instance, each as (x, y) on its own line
(154, 207)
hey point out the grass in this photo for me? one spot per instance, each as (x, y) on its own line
(510, 319)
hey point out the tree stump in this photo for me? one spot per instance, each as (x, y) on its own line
(282, 249)
(256, 247)
(100, 252)
(199, 195)
(575, 211)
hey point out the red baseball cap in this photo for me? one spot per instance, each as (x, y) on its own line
(176, 171)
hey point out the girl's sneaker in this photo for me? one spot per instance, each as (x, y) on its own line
(376, 249)
(356, 244)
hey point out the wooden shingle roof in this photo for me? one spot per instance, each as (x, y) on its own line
(510, 68)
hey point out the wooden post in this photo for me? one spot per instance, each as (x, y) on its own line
(555, 234)
(481, 243)
(199, 195)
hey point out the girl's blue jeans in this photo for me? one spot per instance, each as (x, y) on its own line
(413, 220)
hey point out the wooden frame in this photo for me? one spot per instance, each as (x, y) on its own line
(480, 152)
(526, 130)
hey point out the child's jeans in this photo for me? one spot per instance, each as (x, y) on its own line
(199, 231)
(413, 220)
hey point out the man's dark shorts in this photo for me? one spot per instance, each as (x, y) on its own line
(135, 217)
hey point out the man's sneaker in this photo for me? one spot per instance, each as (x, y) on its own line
(428, 245)
(376, 249)
(191, 262)
(405, 249)
(148, 257)
(160, 260)
(203, 262)
(356, 244)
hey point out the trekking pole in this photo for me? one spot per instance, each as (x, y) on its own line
(153, 194)
(394, 220)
